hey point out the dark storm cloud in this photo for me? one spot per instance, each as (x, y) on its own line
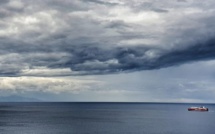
(200, 51)
(98, 60)
(126, 36)
(90, 59)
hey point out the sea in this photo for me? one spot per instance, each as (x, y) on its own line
(105, 118)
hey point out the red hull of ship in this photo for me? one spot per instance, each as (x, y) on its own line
(197, 109)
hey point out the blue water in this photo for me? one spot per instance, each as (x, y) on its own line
(105, 118)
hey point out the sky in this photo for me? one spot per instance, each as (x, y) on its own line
(108, 50)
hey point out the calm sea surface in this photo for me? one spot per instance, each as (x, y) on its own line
(105, 118)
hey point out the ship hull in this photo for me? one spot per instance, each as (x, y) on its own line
(197, 109)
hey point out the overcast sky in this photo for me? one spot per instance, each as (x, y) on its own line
(108, 50)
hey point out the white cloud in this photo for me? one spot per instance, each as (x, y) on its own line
(43, 71)
(16, 4)
(43, 84)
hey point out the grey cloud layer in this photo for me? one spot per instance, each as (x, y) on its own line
(99, 37)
